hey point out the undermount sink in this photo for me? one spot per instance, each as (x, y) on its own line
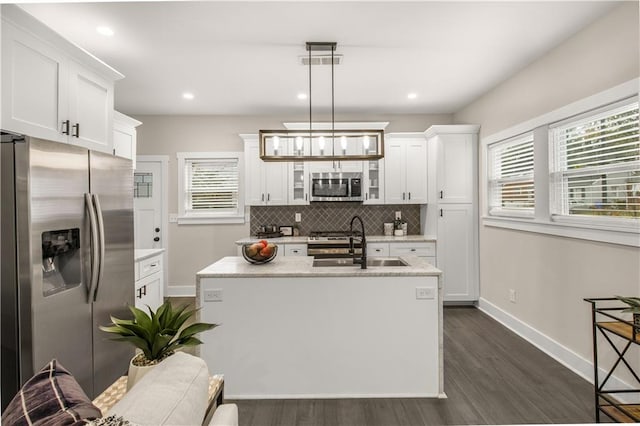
(386, 261)
(374, 261)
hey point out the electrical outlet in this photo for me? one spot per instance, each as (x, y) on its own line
(213, 295)
(398, 215)
(512, 295)
(173, 218)
(298, 217)
(425, 293)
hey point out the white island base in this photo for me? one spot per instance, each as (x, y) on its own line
(289, 330)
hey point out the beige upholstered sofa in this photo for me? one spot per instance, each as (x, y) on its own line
(173, 393)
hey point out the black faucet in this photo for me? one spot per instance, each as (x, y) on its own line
(363, 241)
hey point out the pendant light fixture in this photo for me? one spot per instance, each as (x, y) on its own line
(326, 144)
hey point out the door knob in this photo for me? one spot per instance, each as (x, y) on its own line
(156, 239)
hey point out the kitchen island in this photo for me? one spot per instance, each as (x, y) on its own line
(292, 330)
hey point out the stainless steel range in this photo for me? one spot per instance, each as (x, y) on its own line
(331, 244)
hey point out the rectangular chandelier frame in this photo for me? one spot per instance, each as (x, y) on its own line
(321, 145)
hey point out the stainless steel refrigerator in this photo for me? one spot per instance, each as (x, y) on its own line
(67, 261)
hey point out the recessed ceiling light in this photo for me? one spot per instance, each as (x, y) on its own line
(302, 96)
(105, 31)
(187, 95)
(412, 95)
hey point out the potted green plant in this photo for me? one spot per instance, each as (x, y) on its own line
(634, 308)
(157, 335)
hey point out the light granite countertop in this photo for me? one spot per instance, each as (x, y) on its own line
(141, 254)
(370, 239)
(301, 266)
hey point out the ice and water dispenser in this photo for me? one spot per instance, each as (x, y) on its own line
(61, 260)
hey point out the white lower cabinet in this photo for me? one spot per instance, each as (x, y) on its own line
(149, 286)
(425, 250)
(456, 252)
(294, 249)
(378, 249)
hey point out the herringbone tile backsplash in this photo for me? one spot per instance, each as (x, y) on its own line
(335, 217)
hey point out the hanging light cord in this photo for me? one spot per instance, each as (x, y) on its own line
(333, 120)
(310, 125)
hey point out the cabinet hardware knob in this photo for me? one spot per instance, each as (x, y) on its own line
(268, 197)
(65, 127)
(156, 239)
(403, 197)
(144, 287)
(409, 195)
(366, 195)
(305, 196)
(76, 128)
(413, 249)
(157, 229)
(441, 194)
(440, 212)
(262, 197)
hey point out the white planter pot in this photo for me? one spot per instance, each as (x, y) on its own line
(137, 372)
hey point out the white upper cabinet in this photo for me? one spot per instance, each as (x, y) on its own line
(298, 183)
(52, 89)
(405, 163)
(266, 183)
(125, 136)
(34, 85)
(373, 182)
(455, 181)
(90, 109)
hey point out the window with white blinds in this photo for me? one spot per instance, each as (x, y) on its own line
(212, 186)
(595, 164)
(210, 189)
(511, 179)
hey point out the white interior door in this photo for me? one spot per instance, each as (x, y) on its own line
(148, 204)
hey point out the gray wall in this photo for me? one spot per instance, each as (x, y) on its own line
(551, 274)
(192, 247)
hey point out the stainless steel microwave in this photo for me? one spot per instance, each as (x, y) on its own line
(336, 187)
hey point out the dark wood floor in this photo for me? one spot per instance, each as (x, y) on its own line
(491, 376)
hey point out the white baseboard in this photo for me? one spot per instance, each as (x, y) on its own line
(333, 396)
(181, 291)
(565, 356)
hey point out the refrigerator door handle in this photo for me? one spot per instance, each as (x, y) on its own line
(93, 280)
(101, 250)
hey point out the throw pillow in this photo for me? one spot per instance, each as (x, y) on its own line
(110, 421)
(51, 397)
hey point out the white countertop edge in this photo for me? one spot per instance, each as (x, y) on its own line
(237, 267)
(141, 254)
(370, 239)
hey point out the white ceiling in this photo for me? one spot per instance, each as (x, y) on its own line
(242, 57)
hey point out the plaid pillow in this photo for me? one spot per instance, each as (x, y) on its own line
(51, 397)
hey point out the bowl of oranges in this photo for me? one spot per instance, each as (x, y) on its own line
(259, 252)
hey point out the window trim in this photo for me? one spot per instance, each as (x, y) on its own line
(502, 211)
(599, 229)
(185, 218)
